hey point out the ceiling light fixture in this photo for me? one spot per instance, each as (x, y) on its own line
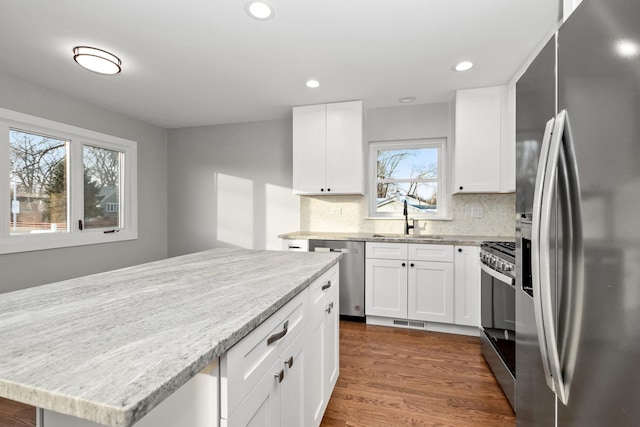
(312, 84)
(464, 66)
(97, 60)
(260, 9)
(627, 48)
(407, 99)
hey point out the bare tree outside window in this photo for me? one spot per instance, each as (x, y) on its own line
(409, 174)
(38, 187)
(101, 187)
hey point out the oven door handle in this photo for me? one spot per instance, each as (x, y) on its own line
(493, 273)
(536, 249)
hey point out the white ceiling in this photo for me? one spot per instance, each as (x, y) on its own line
(196, 62)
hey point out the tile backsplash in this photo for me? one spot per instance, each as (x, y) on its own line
(350, 214)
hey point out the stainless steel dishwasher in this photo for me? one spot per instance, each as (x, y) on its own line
(351, 274)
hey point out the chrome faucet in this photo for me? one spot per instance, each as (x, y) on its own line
(407, 227)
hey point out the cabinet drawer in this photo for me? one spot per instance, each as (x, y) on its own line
(242, 367)
(386, 250)
(425, 252)
(320, 290)
(295, 245)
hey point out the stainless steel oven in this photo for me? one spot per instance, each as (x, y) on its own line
(498, 312)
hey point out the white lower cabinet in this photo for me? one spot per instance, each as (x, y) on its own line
(262, 406)
(285, 379)
(415, 283)
(277, 399)
(430, 291)
(322, 357)
(386, 287)
(425, 285)
(467, 285)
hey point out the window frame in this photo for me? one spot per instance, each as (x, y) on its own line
(77, 138)
(440, 144)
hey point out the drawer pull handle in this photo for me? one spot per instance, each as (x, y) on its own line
(289, 362)
(329, 307)
(327, 286)
(279, 375)
(276, 337)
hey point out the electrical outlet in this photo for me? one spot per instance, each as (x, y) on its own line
(477, 212)
(336, 211)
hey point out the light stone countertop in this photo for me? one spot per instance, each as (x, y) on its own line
(396, 238)
(111, 346)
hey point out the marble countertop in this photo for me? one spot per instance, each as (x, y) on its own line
(111, 346)
(396, 238)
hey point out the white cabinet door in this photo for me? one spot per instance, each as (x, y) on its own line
(467, 286)
(332, 343)
(261, 408)
(321, 358)
(345, 152)
(430, 291)
(328, 149)
(314, 398)
(309, 149)
(292, 386)
(386, 288)
(480, 127)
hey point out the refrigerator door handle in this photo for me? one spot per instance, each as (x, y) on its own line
(536, 249)
(572, 290)
(562, 159)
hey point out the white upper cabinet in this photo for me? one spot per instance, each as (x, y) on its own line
(483, 158)
(328, 151)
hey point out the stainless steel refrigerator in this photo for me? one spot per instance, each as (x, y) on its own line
(578, 232)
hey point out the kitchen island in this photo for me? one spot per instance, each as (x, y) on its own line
(109, 348)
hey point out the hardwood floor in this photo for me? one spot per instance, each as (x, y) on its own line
(399, 377)
(14, 414)
(393, 377)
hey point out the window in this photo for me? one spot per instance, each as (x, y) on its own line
(64, 186)
(411, 171)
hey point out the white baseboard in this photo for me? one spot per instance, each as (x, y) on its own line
(423, 325)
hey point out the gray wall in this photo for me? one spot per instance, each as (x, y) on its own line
(408, 122)
(27, 269)
(230, 186)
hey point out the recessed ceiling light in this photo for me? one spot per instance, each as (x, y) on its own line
(627, 48)
(312, 84)
(260, 9)
(407, 99)
(97, 60)
(464, 66)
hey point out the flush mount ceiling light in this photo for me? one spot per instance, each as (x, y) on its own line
(97, 60)
(463, 66)
(260, 9)
(627, 48)
(312, 84)
(407, 99)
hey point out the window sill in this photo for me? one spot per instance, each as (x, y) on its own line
(30, 243)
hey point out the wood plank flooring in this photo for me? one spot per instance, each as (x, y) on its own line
(14, 414)
(399, 377)
(393, 377)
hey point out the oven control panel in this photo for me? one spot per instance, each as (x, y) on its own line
(497, 263)
(499, 256)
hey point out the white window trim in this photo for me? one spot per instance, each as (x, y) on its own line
(441, 144)
(78, 137)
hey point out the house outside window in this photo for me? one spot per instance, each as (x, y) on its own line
(411, 171)
(64, 186)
